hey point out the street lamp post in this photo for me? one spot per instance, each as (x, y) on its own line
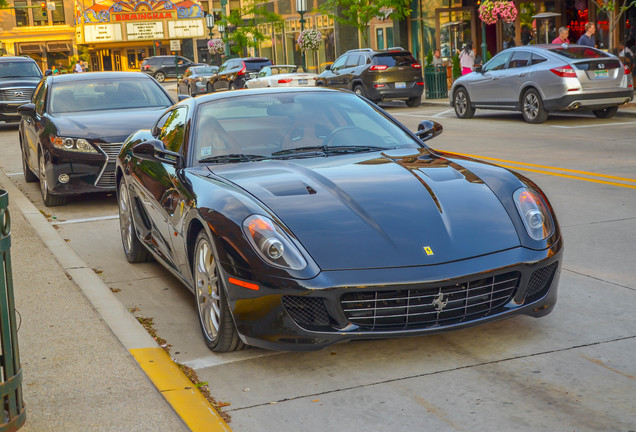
(209, 23)
(301, 8)
(221, 28)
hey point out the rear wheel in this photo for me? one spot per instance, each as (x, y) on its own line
(532, 107)
(232, 86)
(216, 321)
(414, 101)
(606, 112)
(209, 88)
(461, 101)
(160, 76)
(133, 249)
(189, 91)
(49, 200)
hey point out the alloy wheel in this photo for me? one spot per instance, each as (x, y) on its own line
(125, 218)
(207, 289)
(44, 186)
(531, 105)
(460, 103)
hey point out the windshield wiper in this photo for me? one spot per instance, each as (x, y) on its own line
(330, 149)
(235, 157)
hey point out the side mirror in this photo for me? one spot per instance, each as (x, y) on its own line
(26, 109)
(428, 129)
(183, 97)
(478, 69)
(48, 72)
(328, 67)
(154, 151)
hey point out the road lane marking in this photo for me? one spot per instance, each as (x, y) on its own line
(221, 359)
(593, 125)
(181, 394)
(443, 113)
(93, 219)
(544, 167)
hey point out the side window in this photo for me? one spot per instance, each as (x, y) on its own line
(39, 97)
(353, 60)
(520, 59)
(536, 59)
(498, 62)
(339, 64)
(173, 130)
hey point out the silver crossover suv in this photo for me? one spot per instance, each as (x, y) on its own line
(538, 79)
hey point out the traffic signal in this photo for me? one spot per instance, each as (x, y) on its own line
(44, 11)
(157, 44)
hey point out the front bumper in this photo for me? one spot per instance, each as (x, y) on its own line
(588, 101)
(9, 111)
(338, 306)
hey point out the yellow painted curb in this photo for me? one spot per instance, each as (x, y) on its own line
(179, 391)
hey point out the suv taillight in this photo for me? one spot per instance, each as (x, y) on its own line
(416, 66)
(565, 72)
(378, 67)
(284, 81)
(242, 71)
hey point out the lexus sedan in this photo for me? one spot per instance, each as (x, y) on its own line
(18, 78)
(301, 217)
(73, 130)
(233, 73)
(281, 76)
(539, 79)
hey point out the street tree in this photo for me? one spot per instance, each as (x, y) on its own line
(359, 13)
(243, 25)
(614, 9)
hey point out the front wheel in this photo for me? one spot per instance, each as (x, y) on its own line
(461, 102)
(532, 107)
(359, 90)
(232, 86)
(133, 249)
(606, 112)
(49, 200)
(215, 319)
(160, 76)
(209, 88)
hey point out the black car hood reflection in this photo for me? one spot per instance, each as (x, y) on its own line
(375, 210)
(19, 82)
(108, 125)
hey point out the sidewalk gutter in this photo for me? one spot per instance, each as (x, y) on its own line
(174, 386)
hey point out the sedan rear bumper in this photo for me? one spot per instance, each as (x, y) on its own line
(589, 101)
(339, 306)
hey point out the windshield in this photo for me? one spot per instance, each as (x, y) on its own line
(106, 94)
(277, 70)
(19, 69)
(294, 124)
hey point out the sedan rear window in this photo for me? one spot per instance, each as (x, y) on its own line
(578, 52)
(391, 59)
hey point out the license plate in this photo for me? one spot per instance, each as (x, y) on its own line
(302, 81)
(400, 85)
(601, 74)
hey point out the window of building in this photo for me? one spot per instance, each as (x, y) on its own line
(58, 14)
(21, 14)
(40, 18)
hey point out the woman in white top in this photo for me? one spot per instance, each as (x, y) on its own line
(467, 58)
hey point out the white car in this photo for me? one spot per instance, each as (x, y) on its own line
(282, 76)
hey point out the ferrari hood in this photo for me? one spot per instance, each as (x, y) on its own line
(111, 126)
(375, 210)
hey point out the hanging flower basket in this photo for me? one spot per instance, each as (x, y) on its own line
(490, 11)
(309, 40)
(216, 46)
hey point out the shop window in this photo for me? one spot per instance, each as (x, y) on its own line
(21, 14)
(58, 14)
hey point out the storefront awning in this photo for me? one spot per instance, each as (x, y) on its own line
(27, 48)
(58, 46)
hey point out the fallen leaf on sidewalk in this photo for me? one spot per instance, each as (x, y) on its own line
(316, 400)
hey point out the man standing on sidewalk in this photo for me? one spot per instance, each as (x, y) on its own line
(587, 38)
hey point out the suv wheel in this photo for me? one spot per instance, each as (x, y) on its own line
(414, 101)
(606, 112)
(461, 102)
(160, 76)
(359, 90)
(209, 88)
(232, 86)
(532, 107)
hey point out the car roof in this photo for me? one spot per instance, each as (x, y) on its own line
(16, 58)
(93, 76)
(258, 91)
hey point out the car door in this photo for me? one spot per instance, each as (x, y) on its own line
(519, 69)
(154, 185)
(182, 64)
(168, 66)
(483, 87)
(334, 79)
(182, 85)
(30, 125)
(223, 81)
(347, 73)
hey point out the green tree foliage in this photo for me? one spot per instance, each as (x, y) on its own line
(457, 71)
(359, 13)
(429, 58)
(245, 21)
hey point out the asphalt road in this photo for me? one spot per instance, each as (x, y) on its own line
(572, 370)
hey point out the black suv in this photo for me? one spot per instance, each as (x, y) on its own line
(162, 67)
(377, 75)
(233, 73)
(18, 78)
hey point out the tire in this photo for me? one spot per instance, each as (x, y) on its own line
(359, 90)
(461, 103)
(160, 76)
(414, 101)
(232, 86)
(29, 176)
(532, 107)
(49, 200)
(209, 88)
(215, 319)
(189, 91)
(134, 250)
(606, 112)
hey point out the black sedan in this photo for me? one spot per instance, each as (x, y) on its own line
(303, 217)
(76, 124)
(195, 80)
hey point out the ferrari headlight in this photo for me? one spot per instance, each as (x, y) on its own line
(72, 144)
(272, 243)
(534, 213)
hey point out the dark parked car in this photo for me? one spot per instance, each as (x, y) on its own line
(195, 80)
(18, 78)
(233, 73)
(324, 220)
(162, 67)
(73, 130)
(539, 79)
(377, 75)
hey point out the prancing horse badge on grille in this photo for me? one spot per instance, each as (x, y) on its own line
(439, 302)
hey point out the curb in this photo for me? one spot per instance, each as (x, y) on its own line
(193, 409)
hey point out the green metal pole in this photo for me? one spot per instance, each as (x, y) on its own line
(223, 16)
(176, 64)
(483, 43)
(302, 28)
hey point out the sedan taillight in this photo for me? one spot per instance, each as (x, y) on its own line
(416, 66)
(626, 69)
(565, 72)
(284, 81)
(378, 67)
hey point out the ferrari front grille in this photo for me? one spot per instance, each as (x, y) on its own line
(306, 311)
(429, 307)
(540, 282)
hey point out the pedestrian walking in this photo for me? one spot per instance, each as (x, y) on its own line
(563, 37)
(587, 38)
(467, 58)
(79, 67)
